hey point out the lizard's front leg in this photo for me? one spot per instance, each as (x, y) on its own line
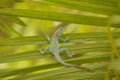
(64, 39)
(44, 51)
(47, 49)
(48, 38)
(60, 39)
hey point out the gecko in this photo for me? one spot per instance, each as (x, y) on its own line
(56, 50)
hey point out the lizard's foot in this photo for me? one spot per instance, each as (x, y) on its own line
(70, 56)
(76, 55)
(43, 52)
(40, 51)
(64, 39)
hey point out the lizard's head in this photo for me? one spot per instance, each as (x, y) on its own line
(61, 30)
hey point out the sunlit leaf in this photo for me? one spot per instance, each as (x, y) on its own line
(87, 6)
(55, 16)
(17, 20)
(9, 28)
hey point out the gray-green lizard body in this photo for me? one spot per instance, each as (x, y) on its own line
(56, 50)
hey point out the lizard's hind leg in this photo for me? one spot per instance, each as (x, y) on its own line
(66, 50)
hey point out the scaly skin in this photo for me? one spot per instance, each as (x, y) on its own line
(55, 46)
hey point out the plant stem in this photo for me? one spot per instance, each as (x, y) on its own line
(114, 48)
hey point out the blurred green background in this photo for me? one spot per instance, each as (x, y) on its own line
(16, 53)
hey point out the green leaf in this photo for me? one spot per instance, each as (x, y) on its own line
(73, 37)
(55, 16)
(29, 40)
(81, 60)
(92, 50)
(16, 20)
(78, 75)
(115, 65)
(110, 3)
(4, 30)
(9, 27)
(63, 73)
(79, 49)
(87, 6)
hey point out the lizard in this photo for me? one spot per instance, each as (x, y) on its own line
(56, 50)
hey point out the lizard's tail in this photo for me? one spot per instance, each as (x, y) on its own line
(71, 65)
(78, 66)
(81, 67)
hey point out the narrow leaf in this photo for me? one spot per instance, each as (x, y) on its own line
(86, 6)
(8, 27)
(73, 37)
(16, 20)
(88, 59)
(55, 16)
